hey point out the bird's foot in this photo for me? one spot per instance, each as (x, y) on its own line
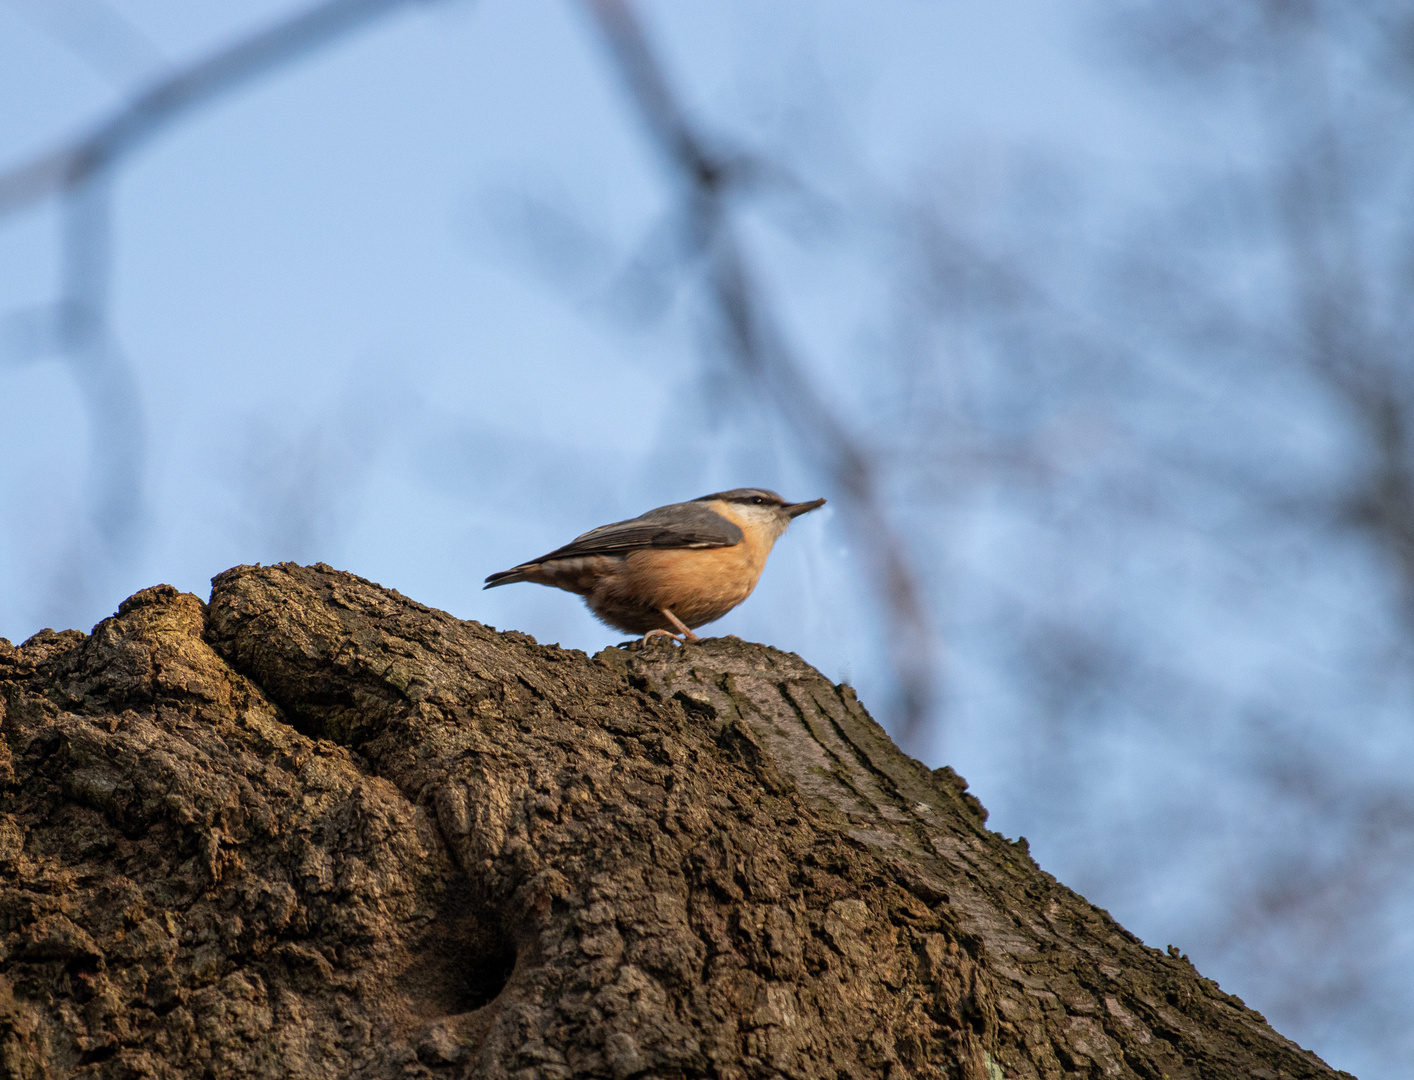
(687, 634)
(662, 633)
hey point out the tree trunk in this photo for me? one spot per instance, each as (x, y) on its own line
(315, 829)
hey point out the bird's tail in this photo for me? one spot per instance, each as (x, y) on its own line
(576, 575)
(511, 576)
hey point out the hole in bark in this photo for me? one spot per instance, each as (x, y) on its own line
(461, 964)
(98, 1056)
(474, 971)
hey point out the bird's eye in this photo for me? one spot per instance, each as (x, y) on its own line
(758, 500)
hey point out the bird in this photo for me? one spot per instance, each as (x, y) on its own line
(673, 569)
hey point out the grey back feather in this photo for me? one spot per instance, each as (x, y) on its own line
(681, 525)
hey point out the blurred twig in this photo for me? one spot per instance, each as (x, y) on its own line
(101, 36)
(76, 327)
(133, 123)
(757, 346)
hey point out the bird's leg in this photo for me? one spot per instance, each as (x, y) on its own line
(659, 633)
(687, 634)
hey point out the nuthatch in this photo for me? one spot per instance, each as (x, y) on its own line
(673, 568)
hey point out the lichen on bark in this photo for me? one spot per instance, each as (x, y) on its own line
(313, 828)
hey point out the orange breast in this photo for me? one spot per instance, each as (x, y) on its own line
(698, 584)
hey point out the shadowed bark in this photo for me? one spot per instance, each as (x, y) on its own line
(315, 829)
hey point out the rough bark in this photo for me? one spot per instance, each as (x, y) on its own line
(315, 829)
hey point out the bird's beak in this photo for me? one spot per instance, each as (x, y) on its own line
(796, 509)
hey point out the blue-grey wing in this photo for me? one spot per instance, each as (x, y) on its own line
(682, 525)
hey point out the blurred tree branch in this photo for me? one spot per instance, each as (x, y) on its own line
(146, 114)
(103, 37)
(1239, 542)
(76, 326)
(757, 346)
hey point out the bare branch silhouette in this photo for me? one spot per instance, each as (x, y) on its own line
(76, 327)
(100, 36)
(146, 114)
(761, 354)
(1239, 542)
